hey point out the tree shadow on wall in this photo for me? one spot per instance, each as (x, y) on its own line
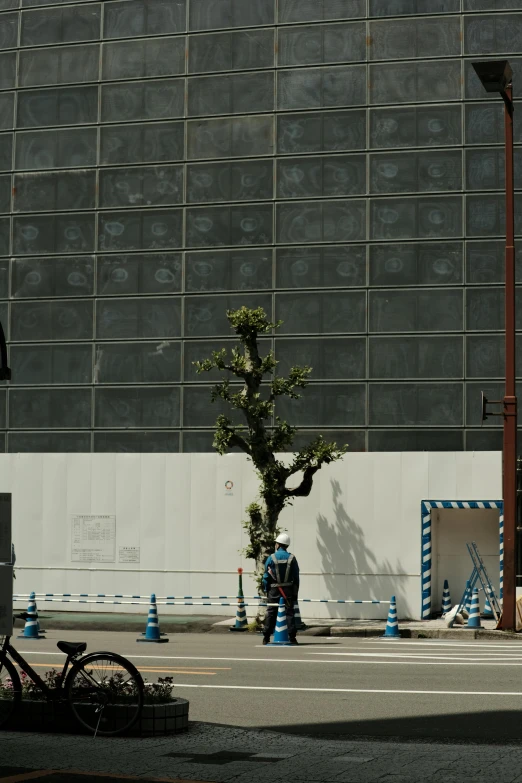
(340, 541)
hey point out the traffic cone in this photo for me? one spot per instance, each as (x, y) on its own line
(474, 612)
(488, 611)
(392, 626)
(37, 620)
(152, 632)
(299, 625)
(467, 600)
(31, 624)
(446, 598)
(281, 638)
(241, 618)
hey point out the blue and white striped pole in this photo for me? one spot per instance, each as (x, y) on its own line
(392, 626)
(467, 600)
(241, 616)
(298, 621)
(446, 598)
(281, 637)
(152, 632)
(474, 612)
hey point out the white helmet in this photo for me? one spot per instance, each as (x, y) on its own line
(283, 539)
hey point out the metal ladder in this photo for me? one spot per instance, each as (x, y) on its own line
(480, 574)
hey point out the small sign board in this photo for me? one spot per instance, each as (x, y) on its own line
(93, 538)
(129, 554)
(6, 600)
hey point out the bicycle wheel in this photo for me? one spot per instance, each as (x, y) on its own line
(10, 690)
(105, 692)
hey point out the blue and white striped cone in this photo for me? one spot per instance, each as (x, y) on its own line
(446, 598)
(31, 629)
(281, 637)
(299, 625)
(37, 620)
(488, 611)
(392, 626)
(474, 612)
(152, 633)
(241, 616)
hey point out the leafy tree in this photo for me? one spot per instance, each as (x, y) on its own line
(280, 483)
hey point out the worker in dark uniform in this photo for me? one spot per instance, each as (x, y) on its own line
(281, 580)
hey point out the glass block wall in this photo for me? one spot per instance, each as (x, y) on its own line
(334, 161)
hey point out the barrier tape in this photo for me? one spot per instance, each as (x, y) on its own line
(171, 598)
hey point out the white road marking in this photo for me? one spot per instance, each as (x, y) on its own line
(453, 656)
(442, 643)
(350, 690)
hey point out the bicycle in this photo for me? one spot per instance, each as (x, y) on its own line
(103, 689)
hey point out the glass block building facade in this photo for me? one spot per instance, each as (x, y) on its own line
(334, 161)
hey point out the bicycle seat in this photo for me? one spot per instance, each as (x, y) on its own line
(22, 616)
(72, 648)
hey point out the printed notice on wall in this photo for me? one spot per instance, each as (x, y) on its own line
(93, 538)
(5, 527)
(129, 554)
(6, 600)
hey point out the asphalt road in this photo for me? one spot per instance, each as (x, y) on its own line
(437, 689)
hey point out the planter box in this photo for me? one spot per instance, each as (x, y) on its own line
(56, 717)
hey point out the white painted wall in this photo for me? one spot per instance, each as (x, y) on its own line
(357, 536)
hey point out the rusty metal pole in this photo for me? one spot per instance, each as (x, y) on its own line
(510, 399)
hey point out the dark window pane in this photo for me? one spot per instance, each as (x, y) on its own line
(56, 149)
(322, 267)
(200, 411)
(322, 313)
(485, 262)
(136, 59)
(329, 175)
(62, 106)
(59, 25)
(421, 81)
(407, 218)
(330, 358)
(321, 131)
(49, 442)
(206, 316)
(213, 14)
(399, 404)
(235, 51)
(162, 141)
(4, 279)
(48, 364)
(230, 137)
(473, 88)
(411, 172)
(241, 181)
(485, 309)
(51, 191)
(485, 35)
(493, 391)
(5, 193)
(400, 7)
(229, 270)
(416, 440)
(42, 234)
(149, 100)
(485, 356)
(314, 88)
(32, 3)
(324, 405)
(6, 110)
(144, 186)
(354, 439)
(138, 363)
(239, 225)
(140, 230)
(234, 94)
(485, 169)
(5, 243)
(321, 221)
(198, 442)
(7, 70)
(9, 30)
(339, 43)
(317, 10)
(61, 65)
(46, 408)
(6, 151)
(416, 311)
(144, 17)
(45, 277)
(426, 263)
(491, 5)
(484, 440)
(143, 407)
(408, 38)
(136, 442)
(485, 124)
(154, 273)
(61, 320)
(485, 215)
(416, 357)
(416, 126)
(197, 350)
(135, 318)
